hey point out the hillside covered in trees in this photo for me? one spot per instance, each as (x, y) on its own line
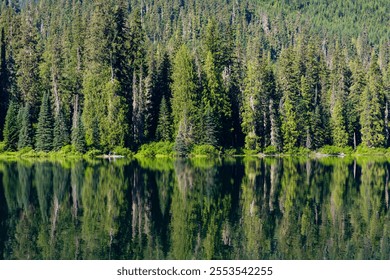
(277, 75)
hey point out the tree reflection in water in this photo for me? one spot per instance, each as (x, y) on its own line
(272, 208)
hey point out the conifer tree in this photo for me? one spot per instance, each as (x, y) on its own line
(27, 59)
(78, 135)
(61, 132)
(252, 116)
(184, 89)
(209, 128)
(373, 103)
(164, 127)
(44, 133)
(353, 105)
(11, 127)
(4, 80)
(339, 91)
(289, 83)
(26, 133)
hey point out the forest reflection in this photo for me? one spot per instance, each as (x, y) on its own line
(272, 208)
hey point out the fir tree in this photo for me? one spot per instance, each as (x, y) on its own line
(209, 127)
(11, 127)
(338, 98)
(78, 135)
(61, 132)
(26, 130)
(44, 133)
(4, 79)
(373, 103)
(184, 89)
(164, 127)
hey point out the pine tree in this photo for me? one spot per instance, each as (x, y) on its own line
(11, 127)
(4, 80)
(164, 127)
(353, 105)
(26, 133)
(252, 117)
(27, 59)
(210, 129)
(184, 89)
(44, 133)
(216, 98)
(78, 135)
(289, 83)
(61, 132)
(339, 91)
(184, 138)
(373, 103)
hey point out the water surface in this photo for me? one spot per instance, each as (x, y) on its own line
(269, 208)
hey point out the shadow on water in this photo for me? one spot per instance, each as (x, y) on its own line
(271, 208)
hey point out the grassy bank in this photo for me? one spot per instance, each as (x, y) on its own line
(167, 150)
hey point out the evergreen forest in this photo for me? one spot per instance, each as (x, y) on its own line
(254, 75)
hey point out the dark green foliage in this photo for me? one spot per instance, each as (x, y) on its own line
(164, 127)
(373, 108)
(26, 133)
(44, 133)
(78, 135)
(61, 132)
(4, 79)
(11, 127)
(253, 74)
(209, 129)
(184, 139)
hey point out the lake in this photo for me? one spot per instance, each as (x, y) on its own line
(235, 208)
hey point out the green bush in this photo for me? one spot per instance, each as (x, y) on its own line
(123, 152)
(333, 150)
(231, 152)
(271, 150)
(205, 150)
(363, 149)
(26, 150)
(93, 153)
(156, 149)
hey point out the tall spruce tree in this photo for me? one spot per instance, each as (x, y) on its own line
(44, 133)
(60, 133)
(4, 83)
(27, 59)
(184, 89)
(289, 83)
(252, 117)
(164, 127)
(11, 127)
(373, 103)
(78, 135)
(339, 91)
(26, 134)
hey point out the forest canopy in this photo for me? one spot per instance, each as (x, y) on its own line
(254, 74)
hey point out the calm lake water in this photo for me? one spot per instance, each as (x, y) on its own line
(270, 208)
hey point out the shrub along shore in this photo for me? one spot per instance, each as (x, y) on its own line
(167, 149)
